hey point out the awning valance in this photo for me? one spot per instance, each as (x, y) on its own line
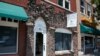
(89, 30)
(85, 29)
(12, 11)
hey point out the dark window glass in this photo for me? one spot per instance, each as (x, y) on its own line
(88, 41)
(62, 41)
(82, 9)
(67, 4)
(66, 41)
(89, 10)
(82, 2)
(9, 19)
(82, 6)
(82, 43)
(3, 18)
(60, 2)
(8, 39)
(88, 13)
(58, 41)
(15, 20)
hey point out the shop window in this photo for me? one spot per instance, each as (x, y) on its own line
(3, 19)
(8, 36)
(62, 41)
(98, 43)
(82, 6)
(8, 39)
(88, 42)
(64, 3)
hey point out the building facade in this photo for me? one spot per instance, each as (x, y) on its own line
(53, 28)
(89, 32)
(48, 34)
(57, 38)
(13, 27)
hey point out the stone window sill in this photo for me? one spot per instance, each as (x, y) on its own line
(63, 52)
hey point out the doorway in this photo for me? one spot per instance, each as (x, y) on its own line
(39, 44)
(88, 44)
(40, 38)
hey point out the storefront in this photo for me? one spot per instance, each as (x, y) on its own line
(87, 43)
(89, 39)
(12, 29)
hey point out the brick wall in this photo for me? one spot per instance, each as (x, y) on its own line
(22, 3)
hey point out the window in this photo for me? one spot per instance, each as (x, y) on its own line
(82, 6)
(8, 36)
(62, 41)
(98, 42)
(88, 41)
(60, 2)
(8, 39)
(64, 3)
(89, 10)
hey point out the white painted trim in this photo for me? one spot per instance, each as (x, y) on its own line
(60, 6)
(11, 24)
(63, 4)
(40, 26)
(61, 30)
(80, 53)
(34, 43)
(72, 47)
(98, 36)
(83, 34)
(62, 52)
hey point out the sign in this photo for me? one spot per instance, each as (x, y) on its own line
(72, 20)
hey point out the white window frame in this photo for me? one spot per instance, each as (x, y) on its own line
(61, 30)
(84, 9)
(10, 24)
(59, 5)
(40, 26)
(64, 4)
(89, 8)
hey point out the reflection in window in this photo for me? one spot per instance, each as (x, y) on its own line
(60, 2)
(82, 2)
(82, 6)
(67, 4)
(64, 3)
(89, 10)
(88, 42)
(62, 41)
(8, 39)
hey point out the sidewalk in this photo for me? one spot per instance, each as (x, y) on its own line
(95, 54)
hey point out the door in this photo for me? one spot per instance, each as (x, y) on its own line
(40, 38)
(39, 44)
(89, 45)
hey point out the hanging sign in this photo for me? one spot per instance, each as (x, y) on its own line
(72, 20)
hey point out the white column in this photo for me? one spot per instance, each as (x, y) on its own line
(78, 27)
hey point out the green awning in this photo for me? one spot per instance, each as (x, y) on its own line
(89, 30)
(96, 31)
(12, 11)
(86, 29)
